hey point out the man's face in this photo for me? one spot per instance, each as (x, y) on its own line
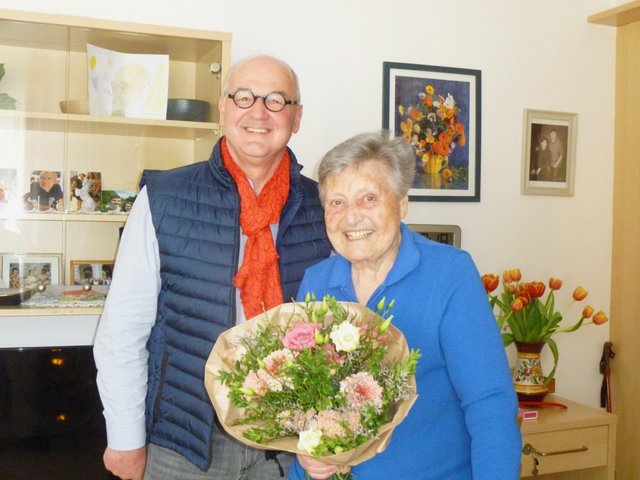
(115, 202)
(257, 136)
(553, 136)
(47, 181)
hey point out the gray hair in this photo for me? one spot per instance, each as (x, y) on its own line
(393, 152)
(282, 63)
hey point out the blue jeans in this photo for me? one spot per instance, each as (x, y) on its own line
(231, 460)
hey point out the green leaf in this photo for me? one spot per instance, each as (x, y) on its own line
(7, 102)
(556, 355)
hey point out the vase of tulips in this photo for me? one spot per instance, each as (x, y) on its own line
(530, 320)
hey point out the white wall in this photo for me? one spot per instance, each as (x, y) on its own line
(537, 54)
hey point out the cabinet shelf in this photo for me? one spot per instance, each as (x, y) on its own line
(618, 16)
(65, 217)
(193, 129)
(45, 60)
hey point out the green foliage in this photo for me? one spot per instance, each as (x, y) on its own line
(6, 101)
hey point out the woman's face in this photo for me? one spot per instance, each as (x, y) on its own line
(362, 214)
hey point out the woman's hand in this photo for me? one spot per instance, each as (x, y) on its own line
(317, 469)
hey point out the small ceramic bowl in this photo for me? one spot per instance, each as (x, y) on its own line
(14, 296)
(187, 109)
(80, 107)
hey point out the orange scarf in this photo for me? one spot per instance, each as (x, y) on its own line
(259, 277)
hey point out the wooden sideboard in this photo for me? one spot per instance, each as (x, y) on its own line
(576, 443)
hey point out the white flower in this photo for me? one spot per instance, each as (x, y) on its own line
(346, 337)
(309, 439)
(449, 102)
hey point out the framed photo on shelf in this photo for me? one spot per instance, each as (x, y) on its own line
(438, 111)
(45, 191)
(117, 201)
(549, 153)
(29, 269)
(8, 188)
(85, 191)
(96, 272)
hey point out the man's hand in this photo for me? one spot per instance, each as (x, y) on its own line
(317, 469)
(126, 464)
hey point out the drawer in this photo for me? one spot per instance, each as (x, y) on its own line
(554, 443)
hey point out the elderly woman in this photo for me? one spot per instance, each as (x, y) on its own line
(463, 425)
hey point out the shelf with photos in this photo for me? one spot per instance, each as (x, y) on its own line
(88, 112)
(55, 300)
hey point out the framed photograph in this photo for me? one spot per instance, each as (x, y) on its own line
(449, 234)
(96, 272)
(438, 111)
(117, 201)
(28, 270)
(8, 188)
(45, 191)
(549, 153)
(85, 191)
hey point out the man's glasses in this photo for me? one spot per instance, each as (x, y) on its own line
(273, 101)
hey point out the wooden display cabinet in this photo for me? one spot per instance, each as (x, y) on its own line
(46, 62)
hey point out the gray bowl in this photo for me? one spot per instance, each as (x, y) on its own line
(187, 109)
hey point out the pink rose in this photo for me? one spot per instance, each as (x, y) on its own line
(303, 335)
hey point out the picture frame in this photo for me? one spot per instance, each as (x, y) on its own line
(549, 152)
(30, 269)
(85, 191)
(438, 110)
(449, 234)
(95, 272)
(45, 192)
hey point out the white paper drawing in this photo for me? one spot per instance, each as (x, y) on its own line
(127, 84)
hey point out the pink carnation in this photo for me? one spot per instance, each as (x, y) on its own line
(255, 383)
(361, 389)
(303, 335)
(274, 362)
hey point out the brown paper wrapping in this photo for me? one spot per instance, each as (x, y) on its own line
(228, 413)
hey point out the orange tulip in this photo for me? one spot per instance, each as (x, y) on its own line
(490, 282)
(536, 289)
(555, 283)
(517, 305)
(515, 274)
(600, 318)
(579, 294)
(587, 311)
(512, 275)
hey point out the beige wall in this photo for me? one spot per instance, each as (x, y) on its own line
(536, 54)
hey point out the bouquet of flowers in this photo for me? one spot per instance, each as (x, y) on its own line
(329, 379)
(431, 126)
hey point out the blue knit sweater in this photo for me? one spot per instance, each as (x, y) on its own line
(463, 424)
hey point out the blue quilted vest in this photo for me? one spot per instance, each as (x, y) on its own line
(195, 211)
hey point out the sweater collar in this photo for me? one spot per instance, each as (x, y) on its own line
(406, 261)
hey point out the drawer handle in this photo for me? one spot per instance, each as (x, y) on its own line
(529, 449)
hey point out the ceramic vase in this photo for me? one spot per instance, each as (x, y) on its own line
(433, 163)
(528, 379)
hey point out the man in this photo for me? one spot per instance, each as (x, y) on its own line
(194, 235)
(558, 171)
(115, 203)
(46, 193)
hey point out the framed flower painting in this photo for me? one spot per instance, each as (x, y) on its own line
(438, 111)
(548, 157)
